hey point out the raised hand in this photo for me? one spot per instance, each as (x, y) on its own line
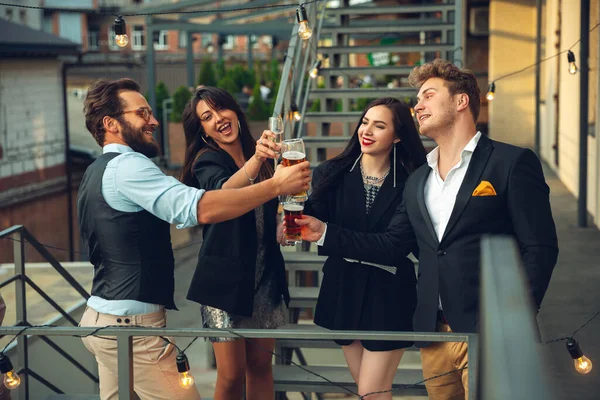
(293, 179)
(266, 146)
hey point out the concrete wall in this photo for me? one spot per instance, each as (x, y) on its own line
(560, 96)
(31, 111)
(512, 46)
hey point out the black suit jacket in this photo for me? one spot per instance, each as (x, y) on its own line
(450, 268)
(225, 273)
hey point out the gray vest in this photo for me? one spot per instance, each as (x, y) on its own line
(131, 251)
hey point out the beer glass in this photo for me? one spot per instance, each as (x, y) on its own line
(291, 211)
(292, 153)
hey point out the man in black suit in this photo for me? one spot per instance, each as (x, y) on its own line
(470, 186)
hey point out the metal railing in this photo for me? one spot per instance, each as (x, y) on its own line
(510, 365)
(20, 236)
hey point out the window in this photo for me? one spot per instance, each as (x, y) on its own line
(94, 39)
(229, 42)
(23, 16)
(111, 39)
(162, 43)
(182, 38)
(138, 39)
(254, 39)
(207, 39)
(8, 14)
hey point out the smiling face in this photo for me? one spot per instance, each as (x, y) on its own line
(136, 131)
(435, 109)
(220, 125)
(376, 132)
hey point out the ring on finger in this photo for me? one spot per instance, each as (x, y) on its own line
(260, 141)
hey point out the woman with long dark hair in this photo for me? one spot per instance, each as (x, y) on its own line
(240, 277)
(360, 190)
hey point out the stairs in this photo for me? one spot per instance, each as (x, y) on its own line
(406, 35)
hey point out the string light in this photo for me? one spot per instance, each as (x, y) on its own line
(491, 91)
(121, 38)
(583, 365)
(572, 65)
(314, 71)
(295, 113)
(304, 30)
(11, 379)
(186, 380)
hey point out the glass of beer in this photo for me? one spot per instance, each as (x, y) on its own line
(291, 211)
(292, 153)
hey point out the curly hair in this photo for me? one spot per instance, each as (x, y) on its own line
(457, 80)
(103, 100)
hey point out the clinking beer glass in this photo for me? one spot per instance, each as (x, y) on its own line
(291, 211)
(292, 153)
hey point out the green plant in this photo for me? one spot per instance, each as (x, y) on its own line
(220, 67)
(362, 103)
(181, 96)
(161, 93)
(226, 83)
(274, 75)
(257, 110)
(207, 75)
(241, 76)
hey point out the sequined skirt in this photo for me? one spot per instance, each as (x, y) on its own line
(265, 315)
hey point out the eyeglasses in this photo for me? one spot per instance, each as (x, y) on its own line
(142, 112)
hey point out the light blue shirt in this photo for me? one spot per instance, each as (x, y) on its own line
(132, 183)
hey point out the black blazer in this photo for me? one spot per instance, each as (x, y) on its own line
(450, 267)
(347, 290)
(225, 273)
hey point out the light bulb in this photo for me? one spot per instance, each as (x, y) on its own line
(121, 38)
(186, 380)
(304, 30)
(572, 65)
(12, 380)
(583, 365)
(412, 112)
(491, 91)
(314, 72)
(297, 115)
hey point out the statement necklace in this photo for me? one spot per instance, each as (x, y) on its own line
(373, 180)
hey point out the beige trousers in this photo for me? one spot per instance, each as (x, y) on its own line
(441, 357)
(154, 369)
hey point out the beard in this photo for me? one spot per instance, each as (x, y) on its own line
(135, 138)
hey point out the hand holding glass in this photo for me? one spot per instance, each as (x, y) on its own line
(291, 211)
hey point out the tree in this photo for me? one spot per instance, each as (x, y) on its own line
(274, 75)
(241, 76)
(226, 83)
(161, 93)
(221, 69)
(207, 76)
(180, 99)
(258, 110)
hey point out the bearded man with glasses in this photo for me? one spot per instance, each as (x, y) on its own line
(125, 205)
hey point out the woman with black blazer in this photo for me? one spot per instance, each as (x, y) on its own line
(240, 277)
(360, 190)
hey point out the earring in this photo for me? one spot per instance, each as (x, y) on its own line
(354, 165)
(239, 127)
(394, 164)
(204, 139)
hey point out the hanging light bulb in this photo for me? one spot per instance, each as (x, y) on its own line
(304, 30)
(491, 91)
(11, 379)
(572, 65)
(121, 38)
(186, 380)
(295, 113)
(583, 365)
(412, 112)
(314, 72)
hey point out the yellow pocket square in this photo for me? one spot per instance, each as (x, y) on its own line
(484, 189)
